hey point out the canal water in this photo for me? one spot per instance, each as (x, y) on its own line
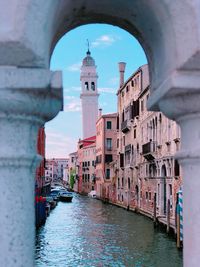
(88, 233)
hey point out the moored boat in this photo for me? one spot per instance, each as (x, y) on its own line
(66, 196)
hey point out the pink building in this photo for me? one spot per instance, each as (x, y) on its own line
(86, 162)
(106, 154)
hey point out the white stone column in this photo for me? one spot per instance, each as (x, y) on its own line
(28, 98)
(182, 103)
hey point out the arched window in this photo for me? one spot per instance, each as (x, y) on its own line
(93, 86)
(129, 183)
(86, 86)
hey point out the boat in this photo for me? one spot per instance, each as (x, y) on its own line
(66, 196)
(55, 194)
(92, 194)
(51, 201)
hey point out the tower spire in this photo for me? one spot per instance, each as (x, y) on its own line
(88, 45)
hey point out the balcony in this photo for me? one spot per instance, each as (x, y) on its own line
(148, 150)
(124, 126)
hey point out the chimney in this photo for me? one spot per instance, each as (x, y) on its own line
(122, 66)
(100, 112)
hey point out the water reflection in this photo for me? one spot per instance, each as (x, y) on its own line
(88, 233)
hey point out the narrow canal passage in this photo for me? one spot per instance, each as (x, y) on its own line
(88, 233)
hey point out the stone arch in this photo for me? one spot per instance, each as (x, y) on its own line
(169, 32)
(44, 23)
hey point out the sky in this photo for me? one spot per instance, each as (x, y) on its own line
(108, 46)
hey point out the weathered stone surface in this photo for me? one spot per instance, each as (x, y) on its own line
(169, 31)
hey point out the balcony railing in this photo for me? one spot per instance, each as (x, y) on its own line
(124, 126)
(148, 150)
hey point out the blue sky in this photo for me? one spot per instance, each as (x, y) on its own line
(108, 45)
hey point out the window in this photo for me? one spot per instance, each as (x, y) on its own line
(117, 142)
(134, 133)
(109, 143)
(158, 195)
(86, 86)
(176, 168)
(107, 173)
(88, 163)
(127, 155)
(118, 183)
(124, 140)
(109, 125)
(138, 148)
(132, 83)
(98, 159)
(127, 88)
(142, 105)
(146, 195)
(122, 182)
(88, 177)
(149, 195)
(170, 189)
(108, 158)
(129, 183)
(93, 86)
(121, 160)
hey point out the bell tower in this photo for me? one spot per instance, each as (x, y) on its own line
(89, 95)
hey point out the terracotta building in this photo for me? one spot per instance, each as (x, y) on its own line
(106, 153)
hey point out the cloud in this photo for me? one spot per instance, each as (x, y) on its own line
(74, 67)
(107, 90)
(73, 89)
(73, 105)
(58, 144)
(104, 40)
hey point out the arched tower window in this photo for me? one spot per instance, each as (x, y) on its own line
(93, 86)
(86, 86)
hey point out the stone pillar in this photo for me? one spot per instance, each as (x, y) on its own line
(28, 98)
(182, 103)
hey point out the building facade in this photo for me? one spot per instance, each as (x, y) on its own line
(62, 163)
(106, 153)
(73, 172)
(86, 165)
(51, 170)
(148, 176)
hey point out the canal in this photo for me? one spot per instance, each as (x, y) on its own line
(88, 233)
